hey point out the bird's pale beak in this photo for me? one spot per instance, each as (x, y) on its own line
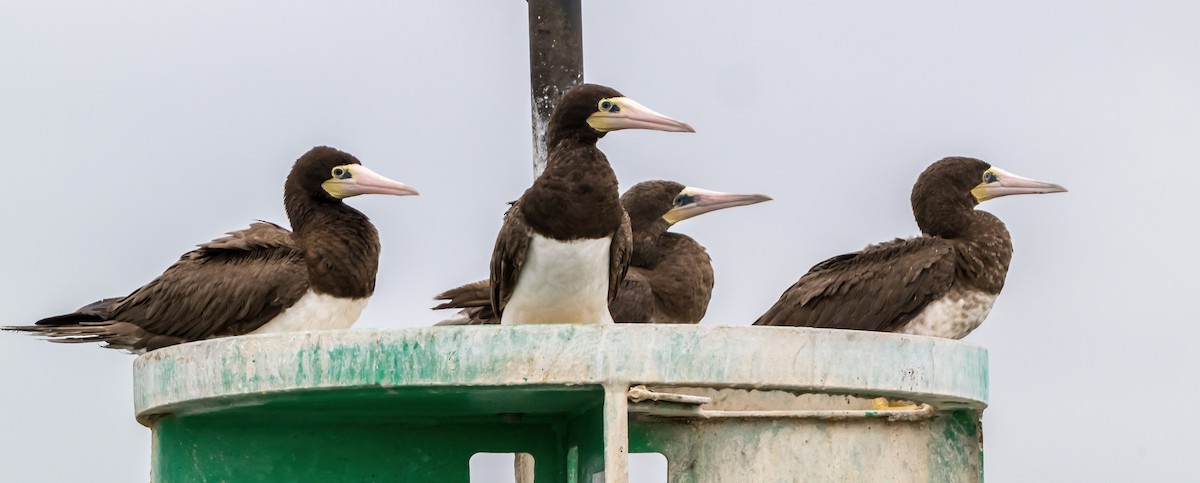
(363, 181)
(630, 114)
(703, 201)
(1006, 183)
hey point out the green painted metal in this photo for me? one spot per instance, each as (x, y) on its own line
(415, 404)
(369, 435)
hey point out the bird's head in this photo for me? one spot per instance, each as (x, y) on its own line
(976, 181)
(956, 184)
(329, 174)
(592, 110)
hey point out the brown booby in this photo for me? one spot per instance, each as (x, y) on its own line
(942, 283)
(258, 280)
(565, 243)
(670, 277)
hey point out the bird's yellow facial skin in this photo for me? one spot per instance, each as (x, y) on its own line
(980, 191)
(679, 210)
(340, 179)
(606, 112)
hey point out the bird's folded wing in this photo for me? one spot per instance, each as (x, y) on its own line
(879, 288)
(620, 253)
(512, 245)
(229, 286)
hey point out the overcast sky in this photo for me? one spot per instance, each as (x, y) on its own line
(131, 131)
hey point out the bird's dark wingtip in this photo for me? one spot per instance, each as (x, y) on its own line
(93, 313)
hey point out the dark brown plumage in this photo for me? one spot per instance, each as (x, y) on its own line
(670, 277)
(570, 207)
(236, 284)
(942, 283)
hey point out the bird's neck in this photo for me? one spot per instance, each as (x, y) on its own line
(946, 217)
(576, 197)
(341, 246)
(682, 278)
(984, 251)
(647, 241)
(558, 133)
(982, 243)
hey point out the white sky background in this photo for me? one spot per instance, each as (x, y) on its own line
(130, 131)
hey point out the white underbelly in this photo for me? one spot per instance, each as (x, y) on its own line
(316, 311)
(562, 283)
(953, 316)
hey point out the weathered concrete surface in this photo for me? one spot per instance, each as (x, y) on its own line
(405, 388)
(941, 372)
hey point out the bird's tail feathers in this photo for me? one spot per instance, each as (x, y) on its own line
(472, 316)
(92, 323)
(474, 294)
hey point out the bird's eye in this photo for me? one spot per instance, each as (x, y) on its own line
(609, 106)
(682, 199)
(341, 173)
(990, 177)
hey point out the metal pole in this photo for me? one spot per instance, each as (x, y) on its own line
(555, 66)
(555, 62)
